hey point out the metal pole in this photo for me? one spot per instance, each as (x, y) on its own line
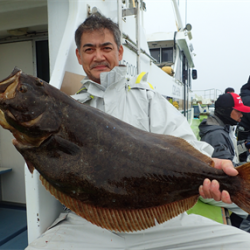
(186, 14)
(119, 16)
(138, 40)
(178, 16)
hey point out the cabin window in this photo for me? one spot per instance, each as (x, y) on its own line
(42, 60)
(155, 53)
(162, 55)
(167, 55)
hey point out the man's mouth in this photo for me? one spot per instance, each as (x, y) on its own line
(100, 66)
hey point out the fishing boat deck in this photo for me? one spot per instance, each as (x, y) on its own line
(13, 227)
(13, 223)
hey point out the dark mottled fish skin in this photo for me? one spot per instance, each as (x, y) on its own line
(96, 158)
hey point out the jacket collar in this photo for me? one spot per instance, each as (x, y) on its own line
(106, 79)
(91, 88)
(215, 120)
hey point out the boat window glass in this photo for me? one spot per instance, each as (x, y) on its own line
(42, 60)
(155, 53)
(167, 55)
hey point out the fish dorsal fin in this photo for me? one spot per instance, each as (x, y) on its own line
(196, 153)
(180, 143)
(122, 220)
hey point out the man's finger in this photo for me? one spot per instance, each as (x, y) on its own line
(229, 170)
(206, 188)
(226, 166)
(225, 197)
(215, 190)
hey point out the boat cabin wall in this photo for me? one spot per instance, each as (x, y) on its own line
(12, 188)
(23, 44)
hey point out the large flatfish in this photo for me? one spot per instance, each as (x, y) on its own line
(105, 170)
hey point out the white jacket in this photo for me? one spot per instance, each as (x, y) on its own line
(134, 101)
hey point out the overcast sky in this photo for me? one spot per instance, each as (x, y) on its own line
(221, 38)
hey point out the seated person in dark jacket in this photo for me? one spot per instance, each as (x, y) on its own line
(243, 128)
(216, 131)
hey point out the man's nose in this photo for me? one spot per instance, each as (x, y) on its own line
(99, 55)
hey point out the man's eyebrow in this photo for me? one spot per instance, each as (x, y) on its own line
(88, 45)
(105, 44)
(93, 45)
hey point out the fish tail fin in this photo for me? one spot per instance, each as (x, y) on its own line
(242, 197)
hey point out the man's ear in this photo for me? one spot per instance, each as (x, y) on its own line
(120, 53)
(78, 56)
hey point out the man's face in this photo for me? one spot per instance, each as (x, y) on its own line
(98, 53)
(236, 115)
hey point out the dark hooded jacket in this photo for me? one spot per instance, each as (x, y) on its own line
(245, 96)
(216, 133)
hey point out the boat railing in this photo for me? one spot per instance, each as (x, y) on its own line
(207, 95)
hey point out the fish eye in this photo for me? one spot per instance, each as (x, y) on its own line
(39, 82)
(23, 88)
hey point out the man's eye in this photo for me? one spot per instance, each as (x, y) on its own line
(88, 50)
(107, 48)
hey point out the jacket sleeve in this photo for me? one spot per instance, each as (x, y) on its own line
(164, 118)
(221, 144)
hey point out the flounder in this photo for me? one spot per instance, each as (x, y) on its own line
(114, 175)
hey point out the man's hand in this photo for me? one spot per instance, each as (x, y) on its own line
(211, 189)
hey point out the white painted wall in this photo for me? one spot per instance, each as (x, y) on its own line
(18, 54)
(12, 184)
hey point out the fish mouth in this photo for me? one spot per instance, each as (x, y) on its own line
(22, 140)
(24, 128)
(8, 88)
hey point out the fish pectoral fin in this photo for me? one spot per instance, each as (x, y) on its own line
(64, 145)
(122, 220)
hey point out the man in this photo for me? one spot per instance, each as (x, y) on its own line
(229, 90)
(132, 100)
(216, 131)
(243, 128)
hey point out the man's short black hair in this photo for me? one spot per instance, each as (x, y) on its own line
(229, 90)
(98, 22)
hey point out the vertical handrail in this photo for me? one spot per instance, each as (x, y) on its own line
(58, 70)
(119, 17)
(177, 15)
(138, 38)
